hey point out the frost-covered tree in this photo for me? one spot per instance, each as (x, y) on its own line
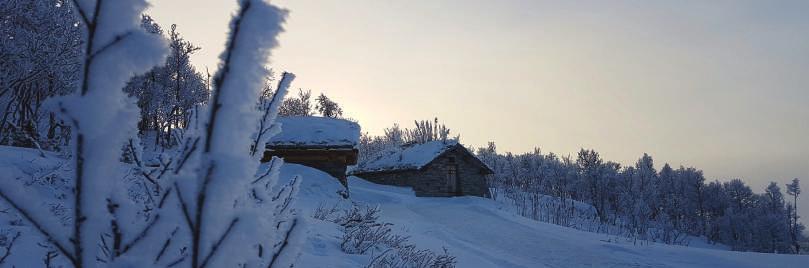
(327, 107)
(639, 202)
(168, 93)
(796, 229)
(771, 234)
(40, 50)
(590, 169)
(394, 137)
(298, 106)
(425, 131)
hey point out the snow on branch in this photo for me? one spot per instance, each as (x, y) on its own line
(228, 168)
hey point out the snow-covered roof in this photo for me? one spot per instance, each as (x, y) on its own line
(408, 157)
(318, 132)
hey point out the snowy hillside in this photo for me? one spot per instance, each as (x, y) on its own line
(478, 231)
(481, 234)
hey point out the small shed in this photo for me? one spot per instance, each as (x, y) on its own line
(323, 143)
(435, 168)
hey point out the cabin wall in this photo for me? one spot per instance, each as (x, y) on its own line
(399, 178)
(432, 179)
(333, 162)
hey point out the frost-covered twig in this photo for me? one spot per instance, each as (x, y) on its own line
(49, 257)
(219, 241)
(8, 247)
(184, 207)
(166, 245)
(270, 109)
(225, 160)
(44, 232)
(197, 224)
(284, 243)
(97, 106)
(136, 158)
(29, 138)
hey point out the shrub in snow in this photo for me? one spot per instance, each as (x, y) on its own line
(363, 233)
(326, 213)
(411, 257)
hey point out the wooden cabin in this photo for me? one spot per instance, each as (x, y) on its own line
(436, 168)
(327, 144)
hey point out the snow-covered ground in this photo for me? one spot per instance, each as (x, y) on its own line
(481, 234)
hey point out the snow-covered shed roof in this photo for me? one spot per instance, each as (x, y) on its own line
(409, 157)
(316, 132)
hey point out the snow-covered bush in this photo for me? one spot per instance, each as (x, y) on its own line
(411, 257)
(324, 212)
(363, 233)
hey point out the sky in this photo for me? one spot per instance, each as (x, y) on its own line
(722, 86)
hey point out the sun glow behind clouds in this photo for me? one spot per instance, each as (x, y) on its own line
(721, 86)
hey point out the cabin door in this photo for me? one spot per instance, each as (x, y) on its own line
(452, 178)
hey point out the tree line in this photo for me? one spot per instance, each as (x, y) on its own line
(395, 137)
(637, 201)
(40, 48)
(664, 205)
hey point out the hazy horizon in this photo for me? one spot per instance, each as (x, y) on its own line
(720, 86)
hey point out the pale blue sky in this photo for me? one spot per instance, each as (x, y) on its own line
(719, 85)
